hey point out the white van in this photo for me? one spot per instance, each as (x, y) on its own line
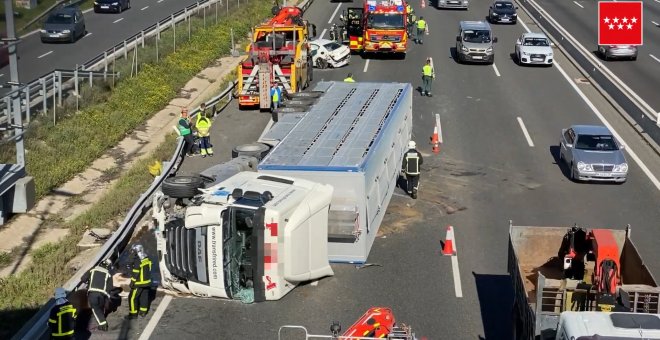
(608, 326)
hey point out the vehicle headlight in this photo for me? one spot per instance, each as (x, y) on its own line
(489, 50)
(623, 167)
(464, 49)
(442, 1)
(115, 3)
(515, 14)
(465, 2)
(66, 31)
(42, 31)
(96, 3)
(495, 14)
(582, 166)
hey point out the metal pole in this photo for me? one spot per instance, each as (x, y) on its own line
(158, 30)
(13, 71)
(174, 32)
(189, 21)
(216, 12)
(142, 34)
(59, 87)
(105, 65)
(227, 1)
(54, 98)
(75, 89)
(27, 105)
(238, 4)
(125, 51)
(114, 61)
(157, 49)
(204, 10)
(44, 94)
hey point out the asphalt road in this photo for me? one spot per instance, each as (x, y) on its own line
(486, 174)
(580, 18)
(104, 31)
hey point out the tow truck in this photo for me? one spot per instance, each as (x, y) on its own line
(278, 54)
(378, 27)
(560, 273)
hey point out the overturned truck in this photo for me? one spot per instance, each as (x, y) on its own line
(314, 191)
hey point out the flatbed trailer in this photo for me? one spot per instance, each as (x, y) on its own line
(541, 293)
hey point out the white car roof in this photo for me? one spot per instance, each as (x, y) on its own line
(535, 35)
(321, 41)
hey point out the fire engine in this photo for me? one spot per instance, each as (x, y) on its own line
(278, 54)
(379, 26)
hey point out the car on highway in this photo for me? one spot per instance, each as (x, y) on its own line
(608, 52)
(328, 53)
(503, 11)
(65, 24)
(474, 42)
(591, 153)
(462, 4)
(534, 48)
(114, 6)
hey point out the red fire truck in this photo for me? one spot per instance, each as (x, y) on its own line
(379, 26)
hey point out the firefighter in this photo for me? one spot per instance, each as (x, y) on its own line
(412, 161)
(203, 127)
(421, 30)
(62, 320)
(98, 291)
(349, 78)
(275, 96)
(138, 299)
(428, 74)
(186, 132)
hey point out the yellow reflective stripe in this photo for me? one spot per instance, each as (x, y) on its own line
(51, 321)
(131, 302)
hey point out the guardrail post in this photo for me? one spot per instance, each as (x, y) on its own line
(54, 99)
(75, 86)
(157, 30)
(142, 33)
(238, 4)
(157, 50)
(44, 94)
(174, 31)
(216, 12)
(227, 2)
(125, 51)
(204, 15)
(59, 87)
(27, 105)
(105, 65)
(189, 21)
(91, 80)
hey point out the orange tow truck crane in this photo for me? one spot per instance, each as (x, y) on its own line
(278, 54)
(379, 27)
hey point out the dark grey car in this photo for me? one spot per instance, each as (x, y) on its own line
(503, 11)
(64, 24)
(592, 154)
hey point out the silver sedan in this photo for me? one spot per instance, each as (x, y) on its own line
(618, 52)
(591, 153)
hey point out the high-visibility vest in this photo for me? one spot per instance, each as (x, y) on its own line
(427, 71)
(275, 94)
(203, 126)
(98, 281)
(62, 320)
(349, 80)
(142, 276)
(183, 130)
(421, 24)
(409, 9)
(412, 163)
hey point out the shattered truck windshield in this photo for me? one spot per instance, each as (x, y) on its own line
(385, 21)
(237, 225)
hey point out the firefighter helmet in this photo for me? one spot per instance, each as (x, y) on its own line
(412, 144)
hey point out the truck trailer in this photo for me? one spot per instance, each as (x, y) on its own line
(254, 230)
(556, 271)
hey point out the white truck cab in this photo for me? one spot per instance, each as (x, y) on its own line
(607, 326)
(252, 237)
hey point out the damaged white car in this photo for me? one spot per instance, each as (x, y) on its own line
(327, 53)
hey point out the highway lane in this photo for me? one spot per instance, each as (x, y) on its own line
(642, 75)
(104, 31)
(485, 175)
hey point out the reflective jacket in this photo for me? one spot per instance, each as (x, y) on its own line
(412, 161)
(203, 125)
(100, 281)
(62, 320)
(421, 24)
(184, 126)
(427, 71)
(349, 80)
(141, 274)
(275, 94)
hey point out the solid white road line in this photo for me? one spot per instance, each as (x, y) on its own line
(575, 2)
(45, 54)
(458, 289)
(323, 33)
(153, 322)
(593, 108)
(159, 1)
(524, 130)
(143, 8)
(332, 17)
(497, 72)
(437, 123)
(654, 57)
(655, 23)
(366, 66)
(87, 35)
(118, 20)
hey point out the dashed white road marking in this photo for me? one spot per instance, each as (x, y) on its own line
(45, 54)
(575, 2)
(153, 322)
(323, 33)
(143, 8)
(654, 57)
(159, 1)
(607, 124)
(332, 17)
(655, 23)
(366, 66)
(2, 75)
(525, 132)
(118, 20)
(497, 72)
(458, 289)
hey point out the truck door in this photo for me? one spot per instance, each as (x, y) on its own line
(354, 25)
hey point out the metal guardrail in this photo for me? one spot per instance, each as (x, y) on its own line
(36, 327)
(603, 79)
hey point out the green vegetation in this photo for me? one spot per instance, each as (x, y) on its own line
(23, 16)
(28, 290)
(5, 259)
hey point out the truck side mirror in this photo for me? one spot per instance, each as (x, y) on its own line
(458, 38)
(313, 31)
(569, 145)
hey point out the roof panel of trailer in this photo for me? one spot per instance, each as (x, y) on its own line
(337, 132)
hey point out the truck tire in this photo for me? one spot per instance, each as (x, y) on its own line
(257, 150)
(306, 94)
(182, 186)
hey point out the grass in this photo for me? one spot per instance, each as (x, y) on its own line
(5, 259)
(28, 290)
(23, 16)
(57, 153)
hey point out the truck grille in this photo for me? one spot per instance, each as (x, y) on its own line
(180, 258)
(603, 167)
(393, 38)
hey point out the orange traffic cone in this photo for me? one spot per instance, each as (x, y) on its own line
(448, 249)
(435, 141)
